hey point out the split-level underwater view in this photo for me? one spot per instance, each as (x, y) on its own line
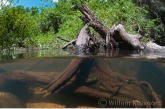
(81, 81)
(113, 53)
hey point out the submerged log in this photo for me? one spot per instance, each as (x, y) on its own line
(65, 76)
(94, 78)
(91, 77)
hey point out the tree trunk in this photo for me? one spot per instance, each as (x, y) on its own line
(114, 37)
(89, 17)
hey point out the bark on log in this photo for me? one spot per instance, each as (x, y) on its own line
(89, 17)
(126, 40)
(65, 75)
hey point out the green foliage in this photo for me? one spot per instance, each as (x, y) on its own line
(16, 28)
(155, 27)
(47, 40)
(70, 29)
(34, 11)
(50, 19)
(63, 19)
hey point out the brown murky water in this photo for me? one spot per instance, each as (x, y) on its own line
(28, 89)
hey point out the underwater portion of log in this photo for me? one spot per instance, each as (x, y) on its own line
(93, 77)
(65, 76)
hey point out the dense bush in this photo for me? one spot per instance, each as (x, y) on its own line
(156, 10)
(16, 28)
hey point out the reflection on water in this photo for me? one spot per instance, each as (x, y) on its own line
(124, 80)
(71, 53)
(32, 54)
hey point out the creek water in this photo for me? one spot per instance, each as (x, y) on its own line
(50, 64)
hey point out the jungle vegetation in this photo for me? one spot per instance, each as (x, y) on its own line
(38, 26)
